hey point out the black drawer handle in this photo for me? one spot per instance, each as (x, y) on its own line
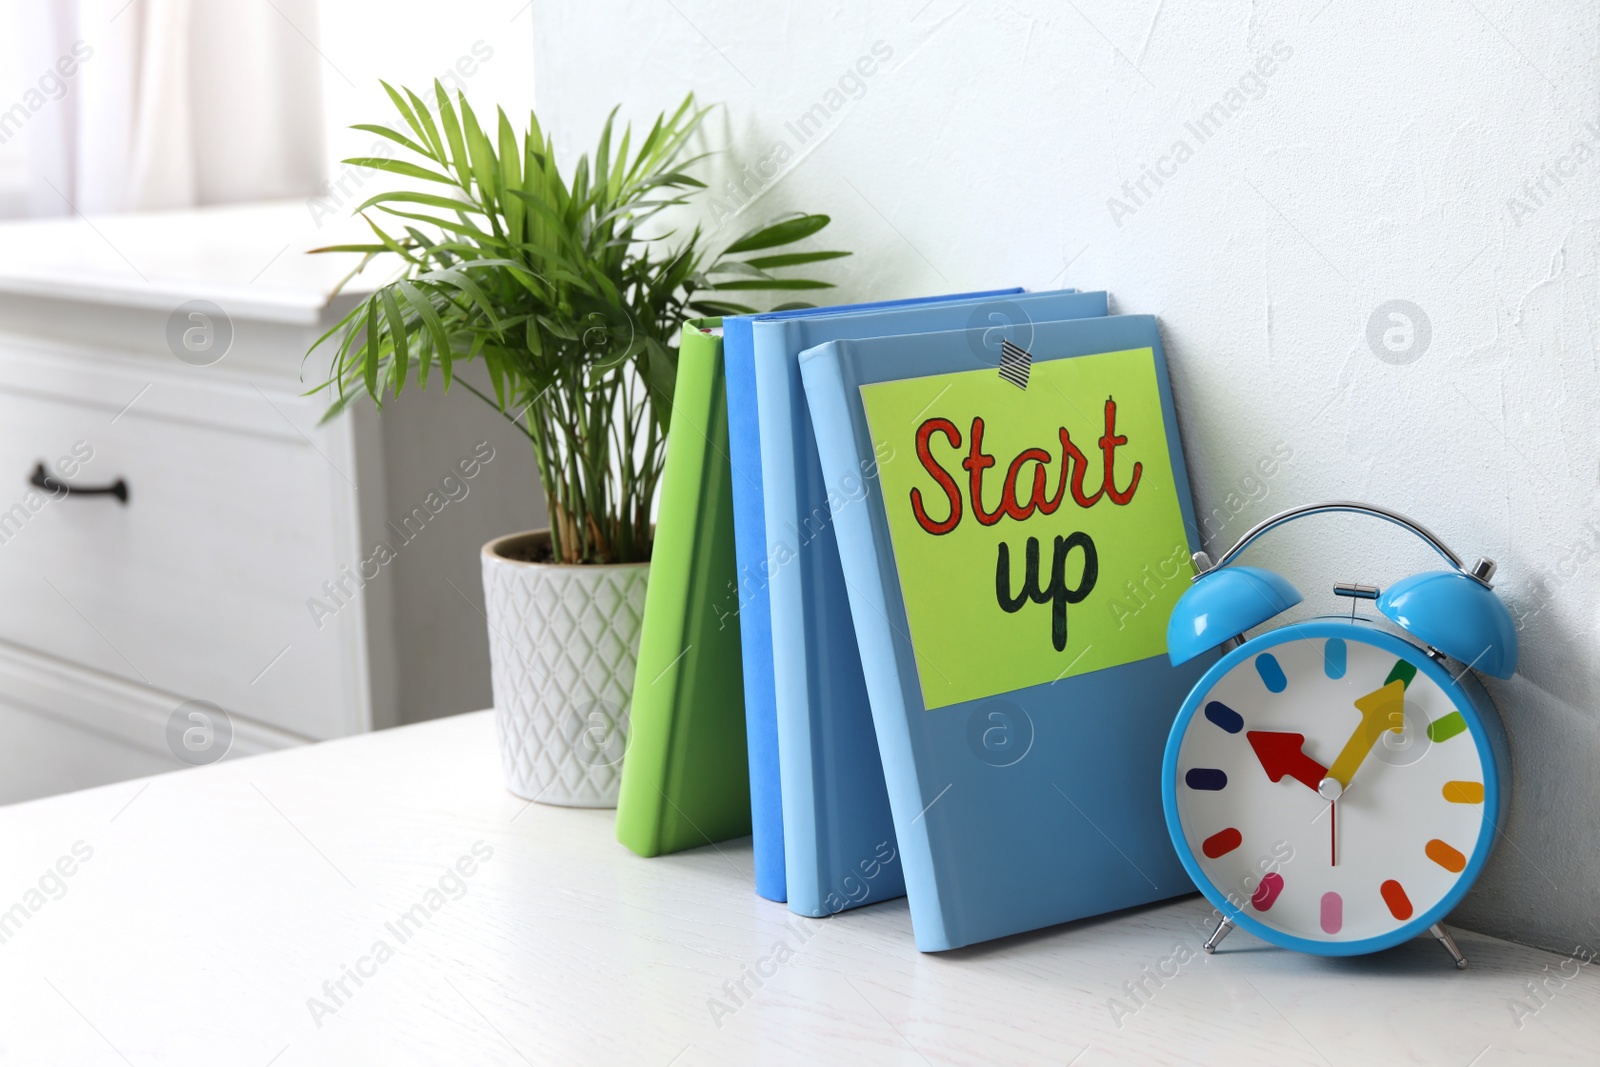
(43, 480)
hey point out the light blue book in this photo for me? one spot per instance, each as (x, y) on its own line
(747, 602)
(1011, 618)
(839, 840)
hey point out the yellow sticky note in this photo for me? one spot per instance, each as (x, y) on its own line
(1037, 533)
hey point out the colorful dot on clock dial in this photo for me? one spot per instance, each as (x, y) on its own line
(1332, 913)
(1271, 672)
(1464, 792)
(1221, 843)
(1224, 716)
(1267, 892)
(1446, 726)
(1333, 657)
(1445, 856)
(1205, 778)
(1402, 672)
(1394, 895)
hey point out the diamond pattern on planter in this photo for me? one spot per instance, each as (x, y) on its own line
(562, 645)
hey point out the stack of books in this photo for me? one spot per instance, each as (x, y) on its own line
(907, 612)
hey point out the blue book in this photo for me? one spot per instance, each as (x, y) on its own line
(839, 840)
(1010, 570)
(749, 600)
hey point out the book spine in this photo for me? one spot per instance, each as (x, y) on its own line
(655, 712)
(776, 404)
(845, 449)
(748, 600)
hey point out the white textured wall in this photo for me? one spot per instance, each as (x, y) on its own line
(482, 48)
(1377, 161)
(439, 622)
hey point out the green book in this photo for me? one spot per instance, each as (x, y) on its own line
(686, 776)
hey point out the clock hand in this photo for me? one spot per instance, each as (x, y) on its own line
(1280, 755)
(1330, 790)
(1382, 709)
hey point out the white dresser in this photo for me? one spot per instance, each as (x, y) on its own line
(243, 566)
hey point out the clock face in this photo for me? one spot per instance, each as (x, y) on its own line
(1329, 787)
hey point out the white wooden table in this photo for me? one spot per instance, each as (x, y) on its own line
(215, 904)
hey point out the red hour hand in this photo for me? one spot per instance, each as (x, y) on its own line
(1281, 756)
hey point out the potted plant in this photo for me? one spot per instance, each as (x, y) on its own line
(552, 283)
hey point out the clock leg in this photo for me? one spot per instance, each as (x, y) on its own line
(1449, 943)
(1224, 928)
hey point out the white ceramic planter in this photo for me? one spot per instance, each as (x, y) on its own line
(562, 645)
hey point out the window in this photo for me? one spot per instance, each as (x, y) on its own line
(13, 142)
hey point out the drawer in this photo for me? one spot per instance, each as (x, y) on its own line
(239, 510)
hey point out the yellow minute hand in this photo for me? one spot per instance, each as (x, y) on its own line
(1382, 709)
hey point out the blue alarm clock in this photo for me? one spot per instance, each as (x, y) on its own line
(1335, 786)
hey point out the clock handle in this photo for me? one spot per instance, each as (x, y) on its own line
(1483, 570)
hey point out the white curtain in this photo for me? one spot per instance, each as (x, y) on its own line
(174, 103)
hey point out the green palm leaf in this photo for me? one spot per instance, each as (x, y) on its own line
(548, 283)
